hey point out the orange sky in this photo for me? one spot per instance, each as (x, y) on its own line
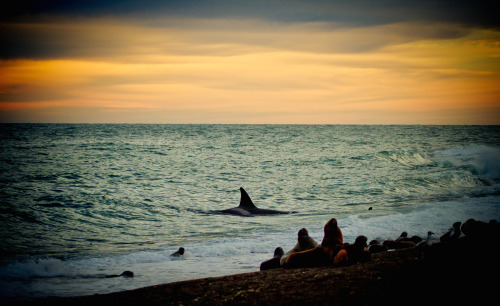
(246, 70)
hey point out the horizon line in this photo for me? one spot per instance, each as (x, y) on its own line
(339, 124)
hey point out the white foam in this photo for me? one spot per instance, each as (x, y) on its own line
(433, 217)
(49, 267)
(485, 159)
(407, 158)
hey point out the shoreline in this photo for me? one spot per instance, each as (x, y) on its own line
(409, 276)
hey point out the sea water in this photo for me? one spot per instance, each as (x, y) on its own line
(79, 202)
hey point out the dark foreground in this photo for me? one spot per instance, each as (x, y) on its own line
(460, 275)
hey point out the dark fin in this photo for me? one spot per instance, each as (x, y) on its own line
(245, 200)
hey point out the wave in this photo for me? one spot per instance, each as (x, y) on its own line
(481, 159)
(49, 267)
(478, 159)
(472, 170)
(404, 157)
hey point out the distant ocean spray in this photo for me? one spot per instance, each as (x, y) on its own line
(82, 201)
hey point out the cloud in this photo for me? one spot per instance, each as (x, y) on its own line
(65, 29)
(104, 37)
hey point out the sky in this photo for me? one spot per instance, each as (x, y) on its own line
(250, 62)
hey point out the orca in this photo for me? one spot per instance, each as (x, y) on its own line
(247, 208)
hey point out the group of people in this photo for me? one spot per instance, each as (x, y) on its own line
(333, 251)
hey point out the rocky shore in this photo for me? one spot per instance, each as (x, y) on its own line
(462, 272)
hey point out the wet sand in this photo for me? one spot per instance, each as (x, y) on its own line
(459, 274)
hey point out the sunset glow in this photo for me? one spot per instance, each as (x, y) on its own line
(190, 69)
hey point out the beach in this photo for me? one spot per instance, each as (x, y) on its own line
(450, 274)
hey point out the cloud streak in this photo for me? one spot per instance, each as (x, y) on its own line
(97, 38)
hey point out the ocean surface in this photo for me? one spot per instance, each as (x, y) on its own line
(79, 202)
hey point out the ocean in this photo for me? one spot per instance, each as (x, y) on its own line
(79, 202)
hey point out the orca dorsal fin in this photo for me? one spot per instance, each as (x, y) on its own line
(245, 201)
